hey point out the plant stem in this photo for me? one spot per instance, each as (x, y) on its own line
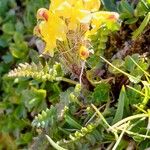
(104, 120)
(128, 119)
(146, 73)
(82, 68)
(123, 72)
(137, 91)
(110, 146)
(55, 145)
(66, 80)
(133, 133)
(120, 137)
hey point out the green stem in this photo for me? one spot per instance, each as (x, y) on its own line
(100, 115)
(146, 73)
(138, 31)
(135, 134)
(128, 119)
(66, 80)
(120, 137)
(55, 145)
(128, 75)
(137, 91)
(104, 120)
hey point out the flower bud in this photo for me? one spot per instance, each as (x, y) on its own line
(37, 31)
(113, 17)
(84, 52)
(42, 14)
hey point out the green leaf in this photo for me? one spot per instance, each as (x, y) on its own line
(19, 50)
(25, 138)
(109, 5)
(72, 122)
(19, 27)
(136, 66)
(121, 105)
(7, 58)
(122, 145)
(8, 28)
(119, 63)
(129, 64)
(101, 93)
(142, 8)
(131, 21)
(3, 43)
(127, 7)
(20, 111)
(138, 31)
(18, 37)
(47, 118)
(144, 144)
(3, 7)
(134, 97)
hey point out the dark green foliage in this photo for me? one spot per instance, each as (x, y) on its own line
(101, 93)
(21, 96)
(38, 72)
(123, 104)
(130, 65)
(134, 97)
(109, 5)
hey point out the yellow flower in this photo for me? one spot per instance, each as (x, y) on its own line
(78, 16)
(51, 30)
(72, 10)
(100, 18)
(83, 52)
(92, 5)
(55, 4)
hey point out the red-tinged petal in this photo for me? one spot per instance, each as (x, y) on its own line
(43, 14)
(113, 17)
(37, 31)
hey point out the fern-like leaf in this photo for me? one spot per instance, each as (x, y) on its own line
(45, 119)
(36, 71)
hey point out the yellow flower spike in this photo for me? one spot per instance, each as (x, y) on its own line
(92, 5)
(42, 14)
(83, 52)
(52, 30)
